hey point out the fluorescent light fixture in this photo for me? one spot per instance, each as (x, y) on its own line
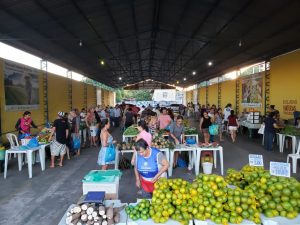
(120, 78)
(194, 72)
(209, 63)
(184, 79)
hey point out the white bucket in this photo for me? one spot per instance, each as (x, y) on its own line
(207, 167)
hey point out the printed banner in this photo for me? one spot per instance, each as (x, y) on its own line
(252, 91)
(21, 86)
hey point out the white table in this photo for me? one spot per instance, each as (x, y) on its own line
(191, 149)
(28, 152)
(192, 135)
(214, 149)
(250, 126)
(126, 137)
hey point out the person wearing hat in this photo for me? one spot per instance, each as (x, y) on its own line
(58, 145)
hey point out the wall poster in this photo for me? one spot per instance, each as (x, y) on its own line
(252, 91)
(21, 85)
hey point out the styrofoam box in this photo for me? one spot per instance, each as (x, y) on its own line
(109, 188)
(279, 220)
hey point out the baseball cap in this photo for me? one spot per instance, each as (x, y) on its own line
(61, 114)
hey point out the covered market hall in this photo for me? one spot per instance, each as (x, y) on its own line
(140, 112)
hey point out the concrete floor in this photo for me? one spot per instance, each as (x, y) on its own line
(44, 198)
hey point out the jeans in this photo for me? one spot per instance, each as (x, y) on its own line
(269, 137)
(82, 134)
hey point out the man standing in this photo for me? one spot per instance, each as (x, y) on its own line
(117, 114)
(58, 145)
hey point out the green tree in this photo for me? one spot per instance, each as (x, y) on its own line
(138, 95)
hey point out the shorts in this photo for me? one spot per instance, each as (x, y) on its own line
(57, 148)
(94, 131)
(231, 128)
(205, 130)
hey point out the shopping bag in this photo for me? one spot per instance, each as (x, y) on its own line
(33, 143)
(213, 129)
(261, 129)
(110, 153)
(76, 143)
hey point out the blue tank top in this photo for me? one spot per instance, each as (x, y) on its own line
(148, 167)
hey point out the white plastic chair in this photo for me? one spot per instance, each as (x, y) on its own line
(13, 141)
(294, 158)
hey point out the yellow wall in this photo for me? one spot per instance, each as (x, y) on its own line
(284, 81)
(91, 95)
(57, 95)
(77, 94)
(9, 118)
(189, 96)
(202, 97)
(228, 93)
(213, 94)
(58, 99)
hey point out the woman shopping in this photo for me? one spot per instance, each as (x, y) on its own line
(176, 133)
(106, 146)
(150, 165)
(233, 125)
(91, 123)
(24, 124)
(205, 122)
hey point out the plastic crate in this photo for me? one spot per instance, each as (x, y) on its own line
(101, 180)
(279, 220)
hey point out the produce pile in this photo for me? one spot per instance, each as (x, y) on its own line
(160, 142)
(291, 130)
(190, 130)
(208, 197)
(91, 214)
(140, 211)
(211, 197)
(125, 146)
(132, 130)
(162, 132)
(43, 136)
(275, 196)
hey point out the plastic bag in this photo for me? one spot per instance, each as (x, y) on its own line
(76, 142)
(110, 153)
(262, 129)
(213, 129)
(33, 143)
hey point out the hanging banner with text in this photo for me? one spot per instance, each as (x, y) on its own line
(21, 85)
(252, 91)
(280, 169)
(256, 160)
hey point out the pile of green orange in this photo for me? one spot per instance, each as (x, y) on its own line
(275, 196)
(140, 211)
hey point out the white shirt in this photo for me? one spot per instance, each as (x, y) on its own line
(196, 108)
(226, 113)
(117, 112)
(102, 114)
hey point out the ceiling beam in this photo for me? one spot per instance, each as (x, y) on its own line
(234, 17)
(138, 49)
(155, 30)
(175, 30)
(195, 32)
(91, 26)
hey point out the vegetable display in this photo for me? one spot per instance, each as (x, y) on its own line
(132, 130)
(291, 130)
(125, 146)
(92, 214)
(190, 130)
(140, 211)
(161, 142)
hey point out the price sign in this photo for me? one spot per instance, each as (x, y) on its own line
(280, 169)
(256, 160)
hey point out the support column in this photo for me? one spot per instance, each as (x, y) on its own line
(219, 93)
(70, 100)
(85, 95)
(237, 95)
(267, 86)
(44, 68)
(206, 94)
